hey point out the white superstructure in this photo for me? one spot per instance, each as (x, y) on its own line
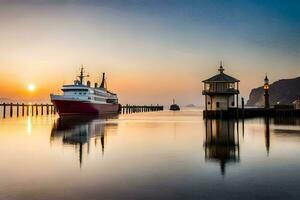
(85, 93)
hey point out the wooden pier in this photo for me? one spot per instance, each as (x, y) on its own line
(127, 109)
(21, 109)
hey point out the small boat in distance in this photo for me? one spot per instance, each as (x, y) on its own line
(82, 99)
(174, 106)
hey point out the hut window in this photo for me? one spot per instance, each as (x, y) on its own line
(218, 104)
(208, 103)
(232, 103)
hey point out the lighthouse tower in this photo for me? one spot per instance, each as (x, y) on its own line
(266, 89)
(220, 91)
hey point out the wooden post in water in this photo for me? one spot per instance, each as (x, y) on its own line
(47, 109)
(27, 110)
(243, 107)
(4, 110)
(22, 109)
(36, 110)
(17, 109)
(32, 110)
(42, 109)
(11, 109)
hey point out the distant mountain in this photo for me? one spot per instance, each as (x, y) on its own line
(190, 105)
(284, 91)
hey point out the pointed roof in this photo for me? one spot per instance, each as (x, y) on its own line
(221, 77)
(266, 78)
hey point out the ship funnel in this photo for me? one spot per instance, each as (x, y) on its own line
(96, 85)
(103, 85)
(88, 83)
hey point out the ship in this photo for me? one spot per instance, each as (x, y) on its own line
(174, 106)
(83, 99)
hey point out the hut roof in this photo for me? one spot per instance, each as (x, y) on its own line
(221, 77)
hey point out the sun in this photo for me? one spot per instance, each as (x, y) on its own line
(31, 87)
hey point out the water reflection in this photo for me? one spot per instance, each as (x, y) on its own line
(82, 131)
(287, 121)
(29, 125)
(267, 134)
(222, 142)
(286, 126)
(150, 151)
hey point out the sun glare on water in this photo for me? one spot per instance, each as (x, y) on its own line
(31, 87)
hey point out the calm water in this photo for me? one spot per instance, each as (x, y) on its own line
(161, 155)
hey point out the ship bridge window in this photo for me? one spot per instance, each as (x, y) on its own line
(112, 101)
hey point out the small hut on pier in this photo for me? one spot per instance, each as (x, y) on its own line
(221, 91)
(297, 104)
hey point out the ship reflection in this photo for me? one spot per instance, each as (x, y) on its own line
(80, 132)
(222, 142)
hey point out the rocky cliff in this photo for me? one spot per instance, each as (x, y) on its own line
(284, 91)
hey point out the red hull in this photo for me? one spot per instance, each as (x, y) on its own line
(64, 107)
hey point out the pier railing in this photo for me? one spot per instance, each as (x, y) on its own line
(22, 109)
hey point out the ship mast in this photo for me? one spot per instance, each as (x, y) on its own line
(82, 76)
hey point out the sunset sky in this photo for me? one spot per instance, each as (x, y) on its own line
(152, 50)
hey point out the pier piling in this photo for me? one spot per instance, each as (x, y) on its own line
(36, 110)
(11, 110)
(4, 110)
(23, 109)
(17, 110)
